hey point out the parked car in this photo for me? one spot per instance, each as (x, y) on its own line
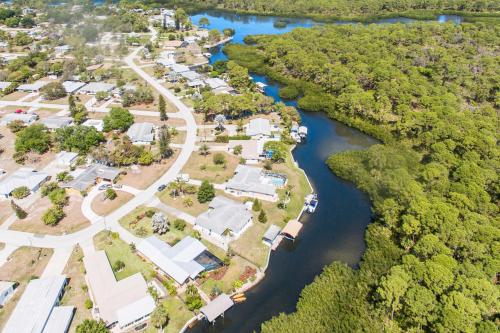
(19, 111)
(104, 187)
(117, 185)
(162, 187)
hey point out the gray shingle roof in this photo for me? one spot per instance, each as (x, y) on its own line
(223, 214)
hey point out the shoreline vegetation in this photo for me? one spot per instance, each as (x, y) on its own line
(431, 252)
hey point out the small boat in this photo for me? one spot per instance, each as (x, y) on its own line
(207, 54)
(302, 132)
(239, 300)
(311, 203)
(261, 86)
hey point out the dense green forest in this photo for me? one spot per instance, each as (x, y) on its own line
(339, 8)
(431, 93)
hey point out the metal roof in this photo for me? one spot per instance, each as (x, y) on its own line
(215, 83)
(22, 177)
(272, 232)
(59, 319)
(217, 307)
(141, 132)
(26, 118)
(248, 179)
(35, 305)
(4, 84)
(32, 86)
(88, 177)
(259, 126)
(72, 86)
(57, 122)
(191, 75)
(177, 261)
(223, 214)
(95, 87)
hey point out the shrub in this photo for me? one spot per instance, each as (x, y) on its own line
(110, 194)
(237, 149)
(47, 188)
(219, 159)
(20, 192)
(118, 265)
(289, 92)
(20, 213)
(239, 137)
(58, 197)
(222, 139)
(16, 125)
(53, 90)
(52, 216)
(88, 304)
(179, 224)
(256, 205)
(262, 217)
(206, 192)
(150, 212)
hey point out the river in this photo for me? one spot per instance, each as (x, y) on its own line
(336, 230)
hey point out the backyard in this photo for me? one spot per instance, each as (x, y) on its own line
(203, 167)
(178, 315)
(116, 249)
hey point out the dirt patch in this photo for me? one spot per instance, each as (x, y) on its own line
(2, 245)
(203, 167)
(5, 210)
(176, 122)
(73, 221)
(26, 263)
(14, 96)
(76, 293)
(103, 206)
(144, 176)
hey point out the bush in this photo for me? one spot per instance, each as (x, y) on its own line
(110, 194)
(48, 188)
(33, 138)
(20, 213)
(88, 304)
(289, 92)
(219, 159)
(63, 176)
(262, 216)
(118, 119)
(20, 192)
(52, 216)
(316, 102)
(222, 139)
(240, 137)
(256, 205)
(150, 212)
(118, 265)
(237, 149)
(179, 224)
(16, 125)
(53, 90)
(206, 192)
(58, 197)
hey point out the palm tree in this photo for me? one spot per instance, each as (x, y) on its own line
(220, 120)
(204, 150)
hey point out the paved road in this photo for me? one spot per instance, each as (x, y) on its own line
(17, 238)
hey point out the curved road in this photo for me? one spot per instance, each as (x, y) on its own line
(17, 238)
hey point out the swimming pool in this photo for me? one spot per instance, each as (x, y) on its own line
(276, 179)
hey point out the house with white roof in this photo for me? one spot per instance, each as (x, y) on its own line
(72, 87)
(55, 122)
(88, 177)
(32, 87)
(66, 159)
(225, 220)
(26, 118)
(191, 75)
(177, 68)
(98, 124)
(120, 304)
(38, 309)
(251, 150)
(178, 261)
(259, 128)
(28, 177)
(4, 85)
(6, 291)
(249, 181)
(93, 88)
(141, 133)
(62, 49)
(215, 83)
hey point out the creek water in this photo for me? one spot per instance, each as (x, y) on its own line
(336, 230)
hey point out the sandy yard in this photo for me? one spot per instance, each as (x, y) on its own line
(72, 222)
(2, 245)
(147, 175)
(203, 167)
(26, 263)
(180, 137)
(5, 210)
(76, 291)
(103, 206)
(14, 96)
(176, 122)
(179, 202)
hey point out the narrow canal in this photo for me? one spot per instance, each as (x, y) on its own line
(335, 231)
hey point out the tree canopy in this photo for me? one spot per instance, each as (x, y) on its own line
(118, 119)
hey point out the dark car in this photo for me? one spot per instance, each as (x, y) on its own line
(162, 187)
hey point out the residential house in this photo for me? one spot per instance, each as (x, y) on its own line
(66, 159)
(253, 182)
(32, 87)
(177, 68)
(98, 124)
(259, 128)
(252, 150)
(84, 179)
(4, 85)
(38, 309)
(120, 304)
(178, 261)
(72, 87)
(191, 75)
(225, 220)
(55, 122)
(28, 177)
(62, 50)
(141, 133)
(93, 88)
(26, 118)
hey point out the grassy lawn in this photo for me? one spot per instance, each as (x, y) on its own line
(178, 313)
(180, 137)
(203, 167)
(26, 263)
(178, 202)
(116, 249)
(250, 246)
(76, 290)
(103, 206)
(236, 268)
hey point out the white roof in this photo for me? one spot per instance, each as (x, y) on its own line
(26, 118)
(165, 61)
(72, 86)
(32, 86)
(95, 87)
(114, 297)
(179, 68)
(272, 232)
(4, 84)
(217, 307)
(141, 132)
(35, 305)
(66, 157)
(98, 124)
(223, 214)
(177, 261)
(59, 319)
(191, 75)
(22, 177)
(248, 179)
(259, 126)
(251, 149)
(196, 83)
(136, 310)
(215, 83)
(57, 122)
(5, 285)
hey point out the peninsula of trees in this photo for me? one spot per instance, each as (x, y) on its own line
(430, 92)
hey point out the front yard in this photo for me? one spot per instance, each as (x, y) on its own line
(203, 167)
(188, 203)
(116, 249)
(102, 206)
